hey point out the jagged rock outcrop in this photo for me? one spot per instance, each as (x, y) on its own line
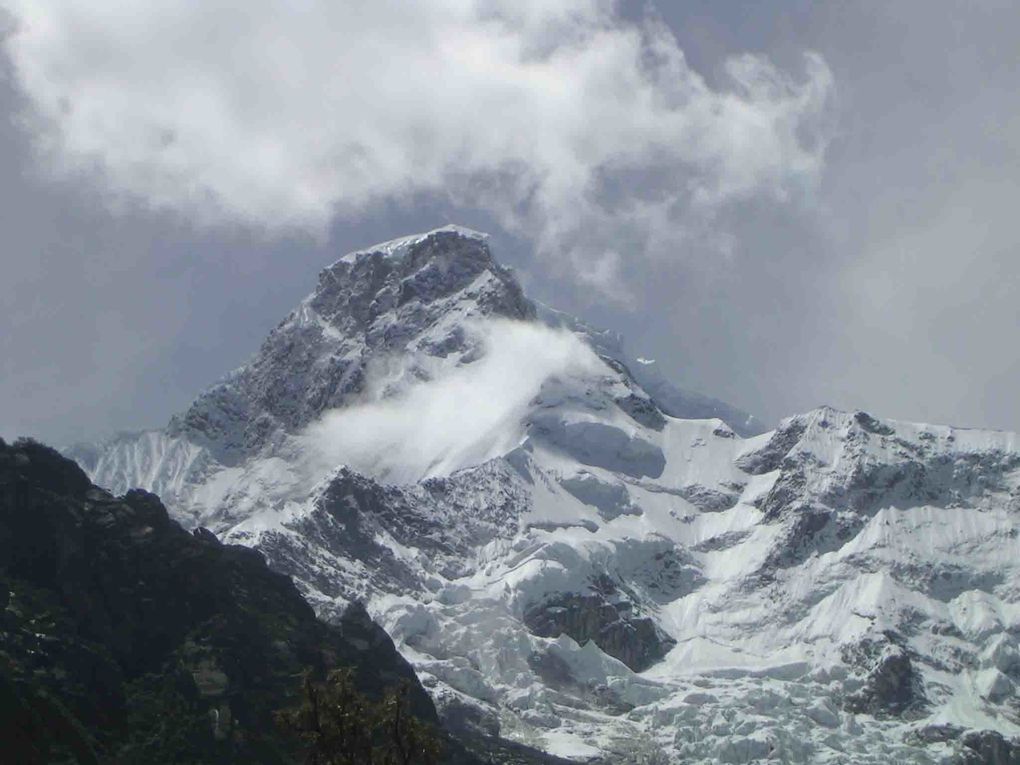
(605, 616)
(891, 687)
(988, 748)
(127, 639)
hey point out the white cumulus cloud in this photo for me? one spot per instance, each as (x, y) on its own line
(589, 133)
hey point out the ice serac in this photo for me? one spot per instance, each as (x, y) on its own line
(592, 561)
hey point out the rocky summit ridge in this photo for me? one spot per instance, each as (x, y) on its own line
(581, 557)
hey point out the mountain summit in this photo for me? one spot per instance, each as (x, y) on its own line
(579, 556)
(410, 295)
(401, 310)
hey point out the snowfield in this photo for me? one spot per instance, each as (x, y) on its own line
(584, 558)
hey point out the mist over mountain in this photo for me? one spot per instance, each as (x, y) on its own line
(575, 555)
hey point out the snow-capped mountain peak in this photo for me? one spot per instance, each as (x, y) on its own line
(408, 296)
(576, 553)
(398, 248)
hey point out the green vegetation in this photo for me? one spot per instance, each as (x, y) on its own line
(341, 726)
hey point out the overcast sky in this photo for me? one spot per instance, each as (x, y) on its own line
(786, 204)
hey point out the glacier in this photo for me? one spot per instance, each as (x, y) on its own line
(575, 554)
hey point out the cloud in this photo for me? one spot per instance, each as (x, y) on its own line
(589, 134)
(462, 416)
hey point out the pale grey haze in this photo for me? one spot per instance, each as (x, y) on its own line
(786, 204)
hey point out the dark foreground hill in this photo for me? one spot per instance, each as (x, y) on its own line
(125, 639)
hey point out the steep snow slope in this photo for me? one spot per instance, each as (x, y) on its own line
(564, 558)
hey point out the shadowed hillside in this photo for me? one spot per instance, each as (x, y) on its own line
(127, 639)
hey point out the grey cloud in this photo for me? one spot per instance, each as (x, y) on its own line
(284, 117)
(886, 281)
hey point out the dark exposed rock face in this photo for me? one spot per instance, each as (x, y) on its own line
(988, 747)
(641, 409)
(975, 747)
(708, 499)
(870, 424)
(770, 457)
(605, 616)
(127, 639)
(892, 686)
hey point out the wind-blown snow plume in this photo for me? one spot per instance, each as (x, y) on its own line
(463, 416)
(549, 116)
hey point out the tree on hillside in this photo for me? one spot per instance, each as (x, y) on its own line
(341, 726)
